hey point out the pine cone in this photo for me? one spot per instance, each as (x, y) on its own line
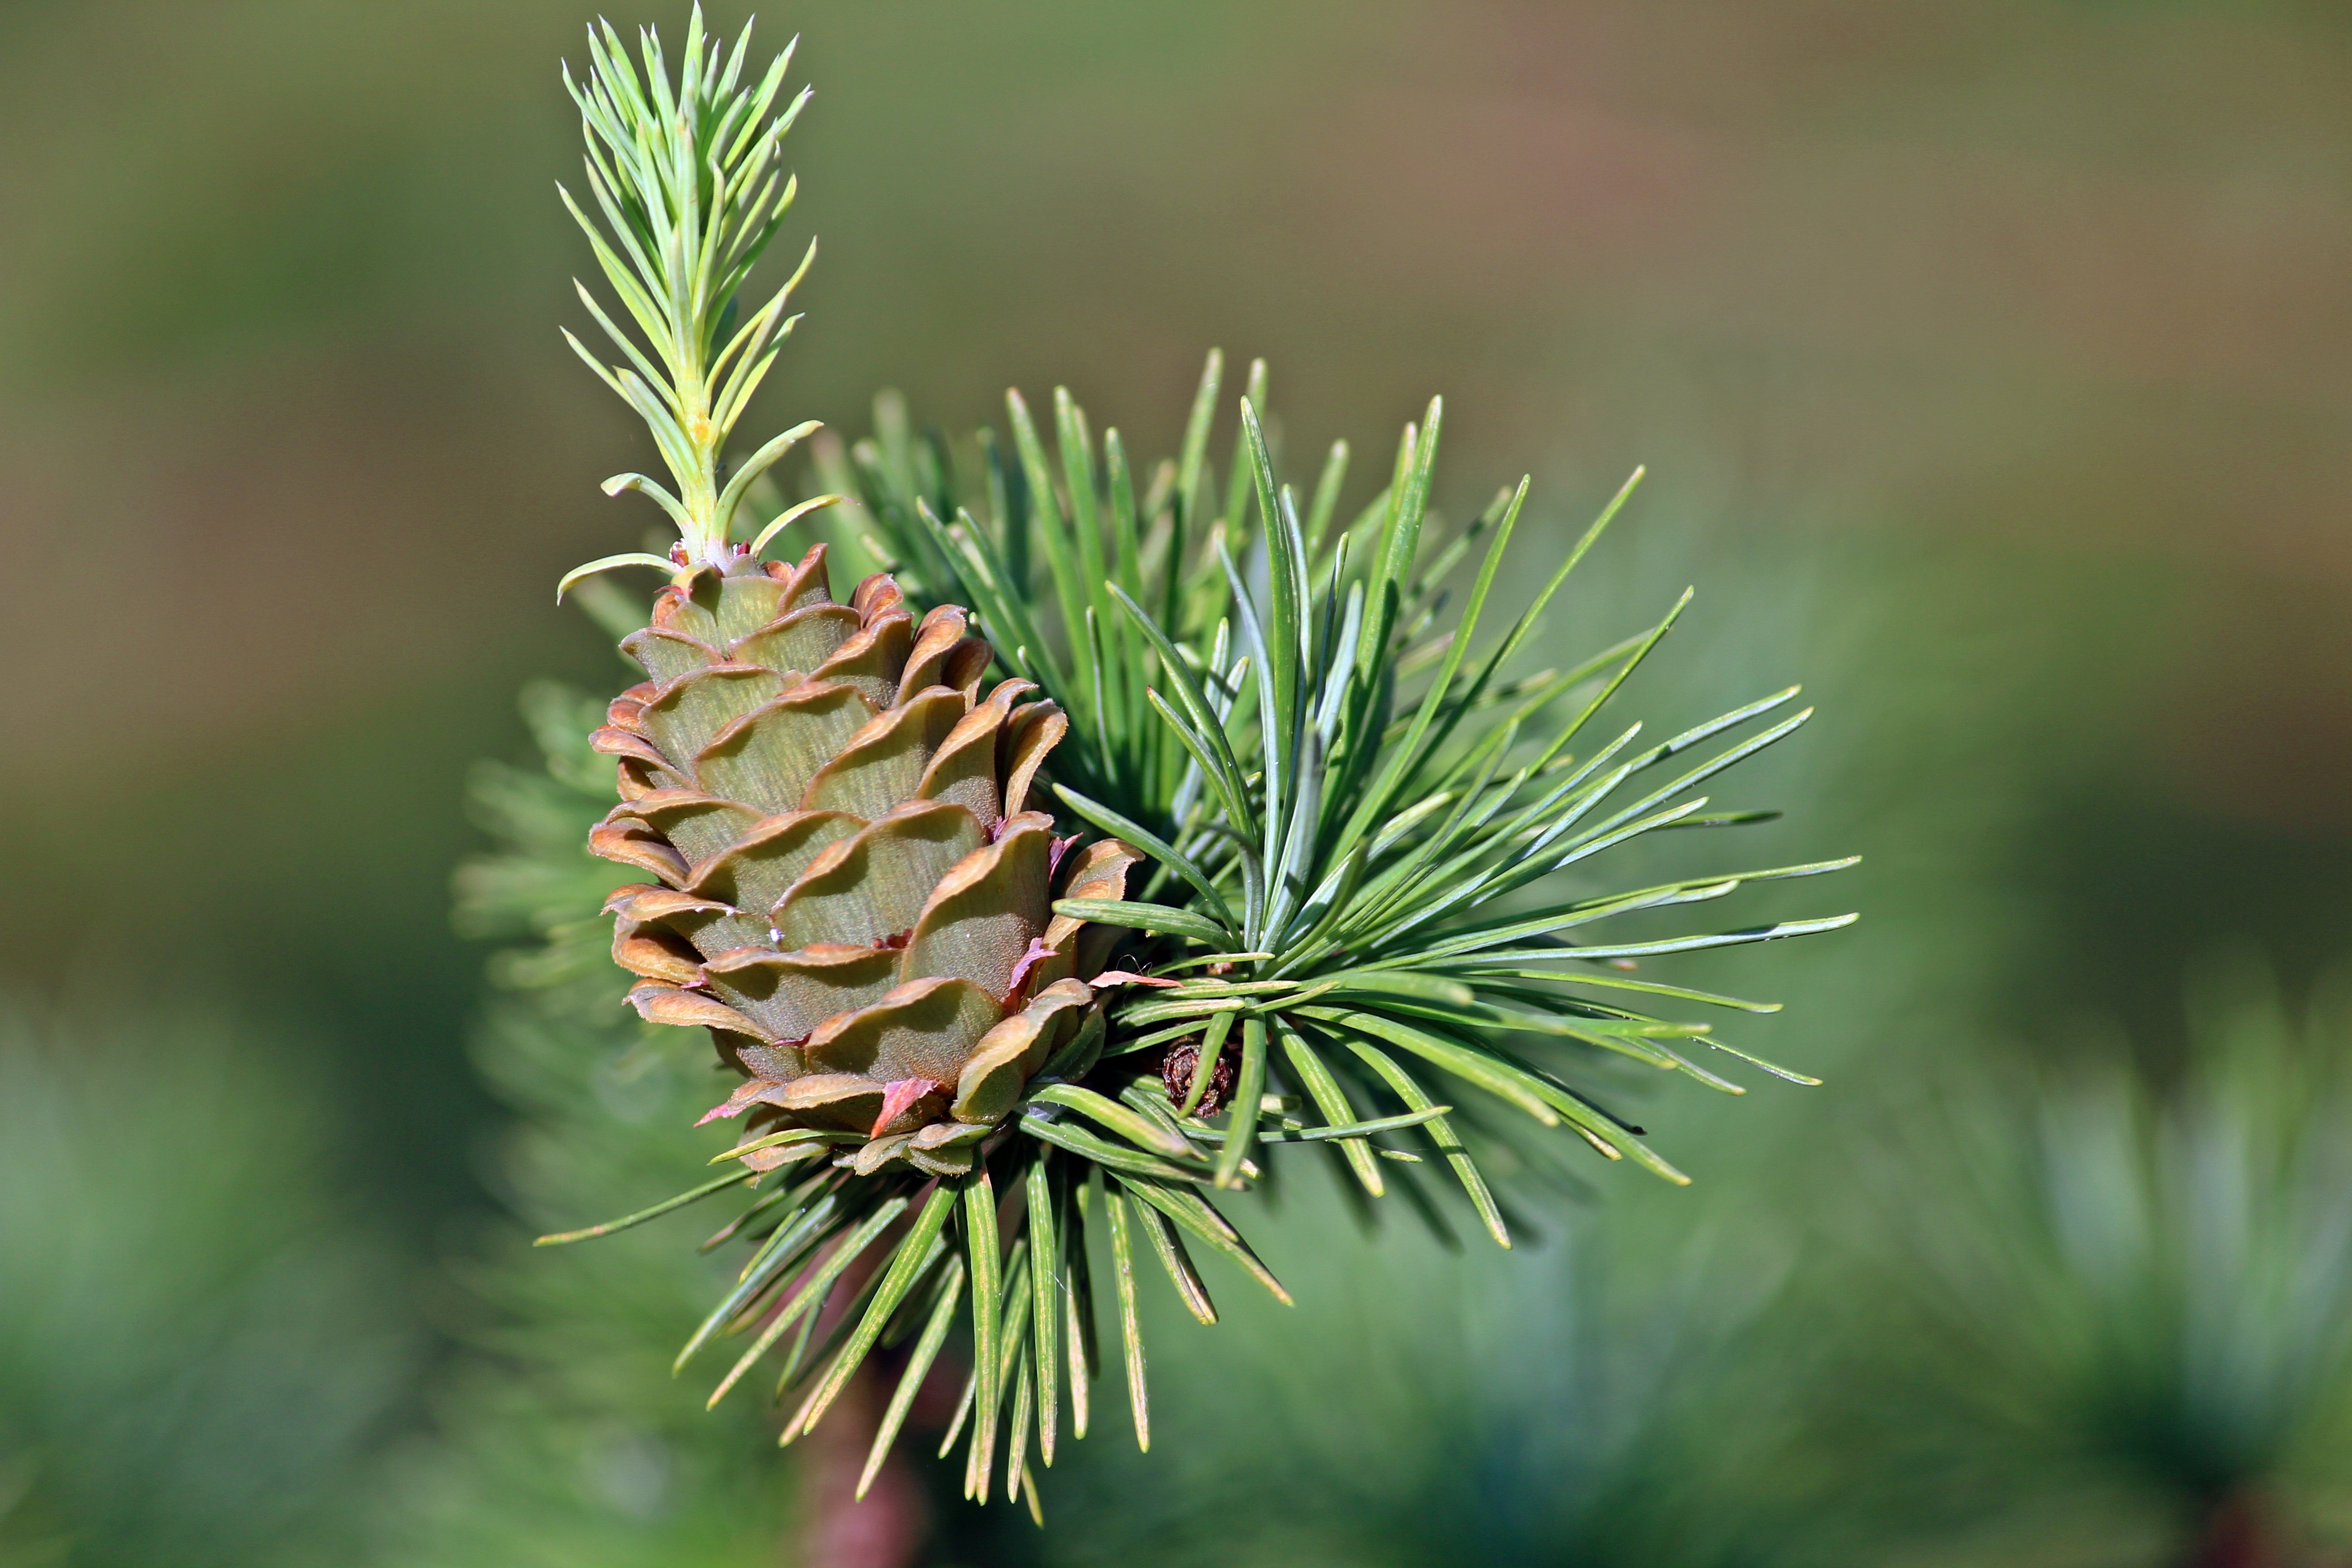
(851, 893)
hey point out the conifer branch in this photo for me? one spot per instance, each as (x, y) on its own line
(1331, 813)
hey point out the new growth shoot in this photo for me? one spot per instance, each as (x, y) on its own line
(688, 179)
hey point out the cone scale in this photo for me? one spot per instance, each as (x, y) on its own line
(850, 885)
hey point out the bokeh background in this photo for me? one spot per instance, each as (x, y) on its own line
(1993, 367)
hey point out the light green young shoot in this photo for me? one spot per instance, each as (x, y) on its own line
(688, 178)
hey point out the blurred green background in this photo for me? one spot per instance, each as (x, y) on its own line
(1993, 367)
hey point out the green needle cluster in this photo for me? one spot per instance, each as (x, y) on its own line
(1356, 805)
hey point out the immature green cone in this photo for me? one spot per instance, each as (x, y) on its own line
(851, 892)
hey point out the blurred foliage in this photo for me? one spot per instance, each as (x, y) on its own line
(565, 1437)
(199, 1336)
(1598, 1400)
(2084, 1320)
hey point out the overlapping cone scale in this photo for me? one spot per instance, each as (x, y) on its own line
(848, 885)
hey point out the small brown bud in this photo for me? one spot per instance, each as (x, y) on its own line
(1176, 1070)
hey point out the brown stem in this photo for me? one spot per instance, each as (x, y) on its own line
(885, 1529)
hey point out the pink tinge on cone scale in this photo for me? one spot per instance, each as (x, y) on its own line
(897, 1099)
(851, 889)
